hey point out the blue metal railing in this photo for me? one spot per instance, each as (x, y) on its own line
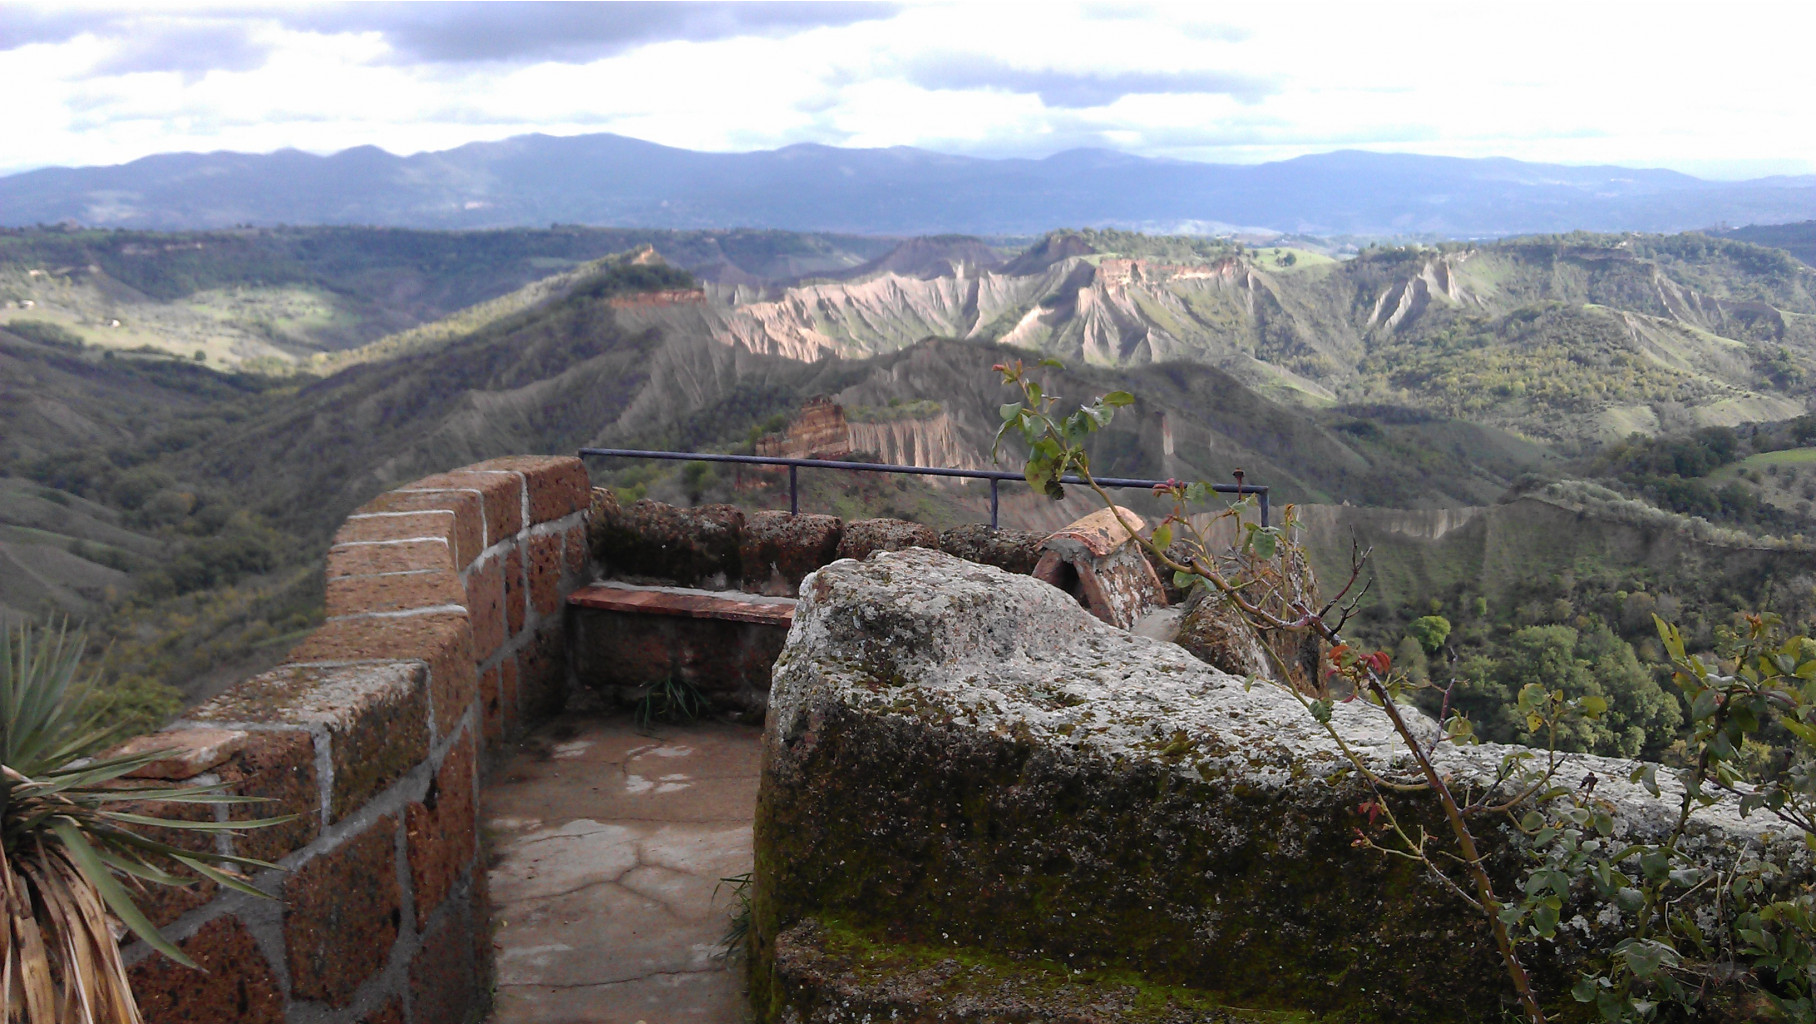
(995, 476)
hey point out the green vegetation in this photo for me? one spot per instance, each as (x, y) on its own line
(671, 702)
(1687, 930)
(45, 332)
(275, 296)
(1642, 719)
(897, 409)
(1175, 249)
(71, 834)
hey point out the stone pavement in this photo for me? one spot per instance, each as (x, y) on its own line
(606, 847)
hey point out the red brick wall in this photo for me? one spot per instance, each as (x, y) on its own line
(443, 635)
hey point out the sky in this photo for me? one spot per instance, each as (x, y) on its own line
(1718, 90)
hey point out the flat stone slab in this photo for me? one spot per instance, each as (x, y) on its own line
(686, 602)
(609, 848)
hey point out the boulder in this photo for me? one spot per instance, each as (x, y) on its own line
(1014, 551)
(778, 549)
(962, 764)
(864, 536)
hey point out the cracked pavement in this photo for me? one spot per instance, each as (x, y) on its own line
(607, 852)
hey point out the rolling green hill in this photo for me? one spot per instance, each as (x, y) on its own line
(268, 299)
(1566, 340)
(1426, 378)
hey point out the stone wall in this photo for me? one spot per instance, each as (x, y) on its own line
(443, 634)
(722, 547)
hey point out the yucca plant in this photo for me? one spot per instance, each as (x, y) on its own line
(69, 848)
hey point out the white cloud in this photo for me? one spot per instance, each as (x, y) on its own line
(1713, 90)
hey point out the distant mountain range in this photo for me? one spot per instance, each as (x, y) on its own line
(604, 179)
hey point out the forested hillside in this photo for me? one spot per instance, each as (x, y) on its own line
(269, 299)
(182, 508)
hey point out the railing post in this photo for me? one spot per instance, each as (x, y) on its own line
(1264, 510)
(794, 491)
(993, 482)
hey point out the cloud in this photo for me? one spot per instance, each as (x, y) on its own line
(575, 33)
(436, 32)
(1079, 89)
(191, 47)
(21, 25)
(189, 44)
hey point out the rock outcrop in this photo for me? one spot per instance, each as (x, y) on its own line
(964, 769)
(817, 431)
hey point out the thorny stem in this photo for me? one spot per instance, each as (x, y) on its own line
(1489, 903)
(1486, 900)
(1472, 858)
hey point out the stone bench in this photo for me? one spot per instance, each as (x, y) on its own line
(627, 638)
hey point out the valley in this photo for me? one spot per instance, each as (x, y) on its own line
(175, 503)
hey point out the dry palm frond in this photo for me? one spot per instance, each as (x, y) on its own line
(69, 850)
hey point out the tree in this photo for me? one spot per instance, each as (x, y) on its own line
(1430, 631)
(1588, 663)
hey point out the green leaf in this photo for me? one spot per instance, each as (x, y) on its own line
(219, 877)
(1163, 536)
(1321, 710)
(1704, 705)
(1593, 706)
(1117, 399)
(1185, 580)
(1265, 543)
(95, 870)
(1050, 361)
(1010, 411)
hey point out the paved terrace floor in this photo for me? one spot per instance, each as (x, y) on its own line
(606, 848)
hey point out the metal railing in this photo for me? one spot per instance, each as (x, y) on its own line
(995, 476)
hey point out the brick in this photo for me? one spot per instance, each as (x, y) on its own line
(544, 566)
(500, 494)
(729, 660)
(401, 556)
(461, 534)
(279, 769)
(574, 552)
(390, 1013)
(342, 912)
(776, 550)
(483, 927)
(863, 537)
(234, 986)
(491, 706)
(485, 606)
(444, 640)
(508, 695)
(444, 980)
(358, 595)
(557, 484)
(441, 830)
(542, 675)
(1015, 551)
(513, 592)
(165, 903)
(186, 753)
(376, 716)
(651, 541)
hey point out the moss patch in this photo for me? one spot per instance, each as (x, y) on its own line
(835, 971)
